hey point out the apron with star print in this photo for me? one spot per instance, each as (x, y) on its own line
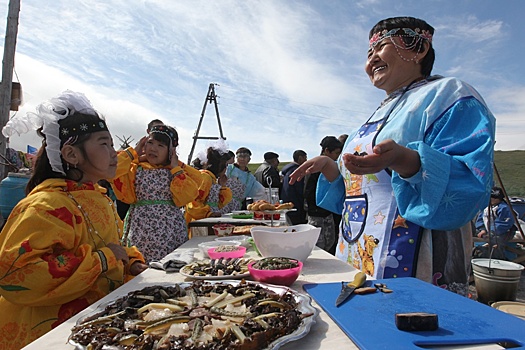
(373, 237)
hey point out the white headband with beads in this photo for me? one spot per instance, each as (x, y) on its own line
(417, 34)
(220, 146)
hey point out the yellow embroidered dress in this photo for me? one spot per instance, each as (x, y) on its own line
(154, 222)
(53, 259)
(212, 197)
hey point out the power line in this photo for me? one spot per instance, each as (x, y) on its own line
(288, 111)
(251, 93)
(287, 117)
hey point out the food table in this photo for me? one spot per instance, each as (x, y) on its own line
(324, 334)
(203, 227)
(324, 269)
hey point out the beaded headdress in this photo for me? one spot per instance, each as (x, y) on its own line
(417, 36)
(63, 119)
(168, 131)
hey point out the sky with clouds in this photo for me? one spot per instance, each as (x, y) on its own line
(288, 72)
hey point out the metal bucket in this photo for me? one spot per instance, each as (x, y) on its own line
(496, 280)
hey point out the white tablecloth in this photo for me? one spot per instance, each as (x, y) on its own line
(319, 267)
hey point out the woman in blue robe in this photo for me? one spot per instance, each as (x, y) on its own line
(414, 175)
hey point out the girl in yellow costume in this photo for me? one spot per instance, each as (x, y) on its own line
(213, 194)
(59, 249)
(156, 185)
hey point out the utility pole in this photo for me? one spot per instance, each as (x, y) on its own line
(210, 97)
(7, 74)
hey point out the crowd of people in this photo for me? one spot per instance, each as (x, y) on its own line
(394, 198)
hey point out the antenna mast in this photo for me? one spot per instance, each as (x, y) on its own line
(210, 97)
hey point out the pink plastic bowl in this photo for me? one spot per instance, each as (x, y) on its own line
(239, 253)
(281, 277)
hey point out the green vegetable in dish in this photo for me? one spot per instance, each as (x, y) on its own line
(276, 264)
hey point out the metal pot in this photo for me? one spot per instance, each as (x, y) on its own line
(496, 280)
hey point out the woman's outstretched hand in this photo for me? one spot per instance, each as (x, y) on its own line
(386, 154)
(317, 164)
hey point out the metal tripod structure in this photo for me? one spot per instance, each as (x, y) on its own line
(211, 97)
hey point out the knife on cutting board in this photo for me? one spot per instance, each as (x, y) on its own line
(348, 288)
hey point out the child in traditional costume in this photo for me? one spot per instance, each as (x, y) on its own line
(60, 248)
(213, 194)
(157, 187)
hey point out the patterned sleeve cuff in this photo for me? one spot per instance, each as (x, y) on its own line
(130, 154)
(103, 260)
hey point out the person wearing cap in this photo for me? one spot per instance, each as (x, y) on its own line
(268, 172)
(240, 172)
(320, 217)
(499, 218)
(294, 193)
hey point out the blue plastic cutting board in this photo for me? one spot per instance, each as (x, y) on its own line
(369, 320)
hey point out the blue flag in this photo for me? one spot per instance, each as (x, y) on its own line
(32, 150)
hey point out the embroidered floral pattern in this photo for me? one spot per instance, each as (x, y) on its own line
(61, 265)
(70, 309)
(14, 336)
(65, 215)
(118, 184)
(16, 275)
(25, 247)
(156, 228)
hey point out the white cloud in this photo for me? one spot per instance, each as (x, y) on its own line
(290, 73)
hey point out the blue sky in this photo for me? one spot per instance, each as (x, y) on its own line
(288, 72)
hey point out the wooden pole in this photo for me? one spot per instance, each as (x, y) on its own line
(7, 74)
(496, 172)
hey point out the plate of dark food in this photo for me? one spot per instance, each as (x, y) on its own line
(217, 269)
(198, 315)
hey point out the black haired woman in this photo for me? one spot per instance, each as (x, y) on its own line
(414, 175)
(60, 245)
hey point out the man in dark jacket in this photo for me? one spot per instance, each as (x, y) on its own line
(294, 193)
(268, 171)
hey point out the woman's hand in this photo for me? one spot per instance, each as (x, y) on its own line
(139, 148)
(119, 252)
(386, 154)
(317, 164)
(222, 180)
(482, 234)
(137, 267)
